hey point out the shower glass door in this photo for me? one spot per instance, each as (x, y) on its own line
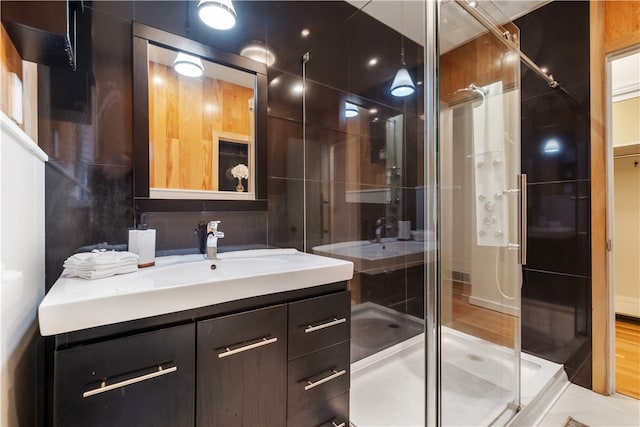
(479, 167)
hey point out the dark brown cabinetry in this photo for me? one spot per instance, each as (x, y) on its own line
(242, 369)
(144, 379)
(43, 31)
(284, 364)
(318, 372)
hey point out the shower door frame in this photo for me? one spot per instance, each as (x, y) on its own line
(433, 380)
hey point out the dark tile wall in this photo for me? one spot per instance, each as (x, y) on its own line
(86, 125)
(556, 294)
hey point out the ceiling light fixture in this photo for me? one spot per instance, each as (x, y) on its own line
(372, 62)
(551, 146)
(218, 14)
(402, 83)
(258, 52)
(305, 32)
(187, 65)
(350, 110)
(297, 89)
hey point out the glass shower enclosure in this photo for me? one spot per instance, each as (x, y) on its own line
(423, 193)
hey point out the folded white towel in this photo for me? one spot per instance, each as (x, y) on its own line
(100, 264)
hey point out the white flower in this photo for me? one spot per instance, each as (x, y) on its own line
(240, 171)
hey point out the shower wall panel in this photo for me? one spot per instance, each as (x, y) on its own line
(556, 295)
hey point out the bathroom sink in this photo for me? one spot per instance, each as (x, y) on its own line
(184, 274)
(185, 282)
(388, 255)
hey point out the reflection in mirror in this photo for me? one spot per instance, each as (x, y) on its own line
(201, 128)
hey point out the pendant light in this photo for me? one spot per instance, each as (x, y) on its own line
(218, 14)
(187, 65)
(402, 83)
(350, 110)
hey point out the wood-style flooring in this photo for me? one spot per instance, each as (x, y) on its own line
(628, 358)
(480, 322)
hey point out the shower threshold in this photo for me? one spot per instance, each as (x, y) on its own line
(387, 387)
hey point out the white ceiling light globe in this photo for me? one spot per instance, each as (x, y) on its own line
(402, 84)
(187, 65)
(218, 14)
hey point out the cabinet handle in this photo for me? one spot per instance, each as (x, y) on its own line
(333, 322)
(263, 341)
(104, 387)
(335, 374)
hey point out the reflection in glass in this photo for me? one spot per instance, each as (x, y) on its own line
(198, 126)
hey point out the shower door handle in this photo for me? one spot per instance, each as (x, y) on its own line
(522, 219)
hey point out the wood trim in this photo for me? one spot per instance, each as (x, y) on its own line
(27, 72)
(621, 24)
(601, 330)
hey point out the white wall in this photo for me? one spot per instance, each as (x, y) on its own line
(626, 240)
(21, 271)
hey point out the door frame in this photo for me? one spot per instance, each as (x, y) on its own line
(610, 203)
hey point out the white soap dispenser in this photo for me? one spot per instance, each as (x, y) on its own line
(142, 241)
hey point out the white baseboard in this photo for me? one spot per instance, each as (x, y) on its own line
(628, 306)
(492, 305)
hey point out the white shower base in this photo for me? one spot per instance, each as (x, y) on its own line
(387, 388)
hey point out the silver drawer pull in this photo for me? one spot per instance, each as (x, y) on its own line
(104, 387)
(334, 375)
(333, 322)
(263, 341)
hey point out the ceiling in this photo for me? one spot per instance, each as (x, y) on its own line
(457, 27)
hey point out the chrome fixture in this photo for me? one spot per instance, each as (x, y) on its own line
(380, 225)
(212, 239)
(218, 14)
(188, 65)
(474, 88)
(551, 81)
(402, 83)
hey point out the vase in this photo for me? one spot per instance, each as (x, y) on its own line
(239, 187)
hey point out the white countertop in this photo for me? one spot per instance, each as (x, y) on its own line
(184, 282)
(373, 258)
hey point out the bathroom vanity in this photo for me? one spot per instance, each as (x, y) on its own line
(267, 343)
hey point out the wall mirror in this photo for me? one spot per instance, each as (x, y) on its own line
(199, 126)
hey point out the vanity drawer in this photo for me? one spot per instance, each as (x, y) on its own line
(144, 379)
(318, 323)
(334, 410)
(318, 377)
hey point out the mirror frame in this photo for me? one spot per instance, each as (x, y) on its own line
(142, 37)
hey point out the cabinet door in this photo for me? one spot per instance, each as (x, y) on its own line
(318, 323)
(318, 377)
(241, 369)
(139, 380)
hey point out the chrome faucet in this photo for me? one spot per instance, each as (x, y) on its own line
(380, 225)
(212, 239)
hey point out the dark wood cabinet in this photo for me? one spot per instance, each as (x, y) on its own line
(43, 31)
(139, 380)
(318, 323)
(318, 371)
(242, 369)
(278, 365)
